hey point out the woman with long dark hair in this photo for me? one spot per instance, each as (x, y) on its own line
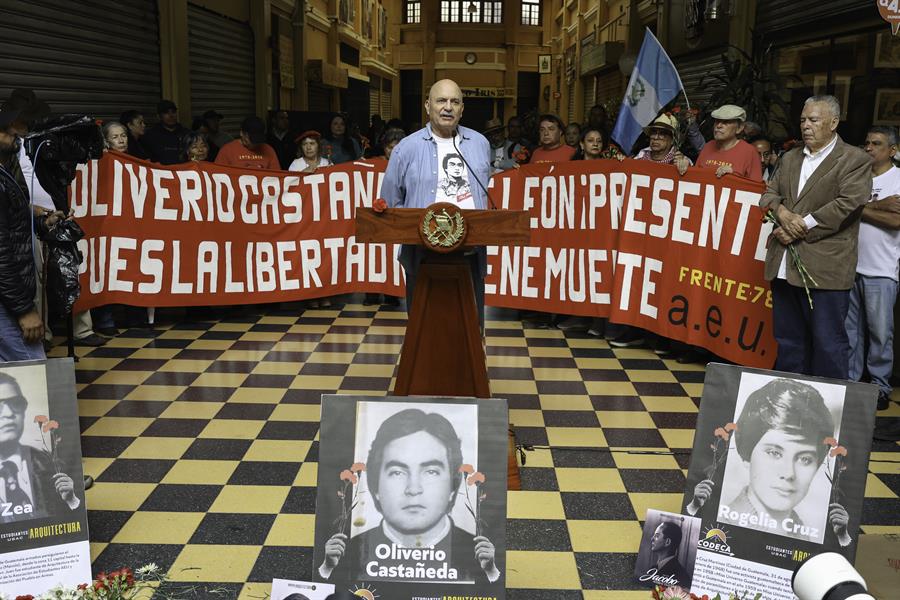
(593, 145)
(134, 123)
(339, 145)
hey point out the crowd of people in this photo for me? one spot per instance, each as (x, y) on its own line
(831, 200)
(834, 201)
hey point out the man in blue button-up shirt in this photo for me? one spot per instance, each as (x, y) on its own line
(416, 172)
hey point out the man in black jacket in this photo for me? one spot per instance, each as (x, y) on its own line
(163, 141)
(21, 326)
(281, 139)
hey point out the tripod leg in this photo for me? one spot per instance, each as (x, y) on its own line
(70, 335)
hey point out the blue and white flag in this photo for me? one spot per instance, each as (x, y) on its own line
(654, 83)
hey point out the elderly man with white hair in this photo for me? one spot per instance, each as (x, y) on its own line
(817, 195)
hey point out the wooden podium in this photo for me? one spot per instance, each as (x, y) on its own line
(443, 352)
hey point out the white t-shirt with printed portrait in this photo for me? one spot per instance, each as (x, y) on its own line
(453, 176)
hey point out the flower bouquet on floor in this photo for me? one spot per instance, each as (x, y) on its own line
(143, 584)
(662, 592)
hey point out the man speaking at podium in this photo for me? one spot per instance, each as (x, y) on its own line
(442, 162)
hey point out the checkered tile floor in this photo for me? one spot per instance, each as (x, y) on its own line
(202, 437)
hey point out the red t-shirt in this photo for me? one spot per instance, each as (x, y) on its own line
(742, 158)
(561, 154)
(235, 154)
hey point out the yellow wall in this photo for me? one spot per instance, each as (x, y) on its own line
(438, 49)
(323, 33)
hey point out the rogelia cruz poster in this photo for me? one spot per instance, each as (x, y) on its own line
(777, 474)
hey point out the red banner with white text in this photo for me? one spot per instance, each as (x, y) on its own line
(680, 256)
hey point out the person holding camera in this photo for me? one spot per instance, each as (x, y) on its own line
(21, 326)
(32, 110)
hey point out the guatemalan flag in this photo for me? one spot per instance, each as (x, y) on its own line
(654, 83)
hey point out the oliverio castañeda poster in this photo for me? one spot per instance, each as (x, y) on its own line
(411, 497)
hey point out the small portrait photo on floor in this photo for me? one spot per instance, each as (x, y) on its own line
(285, 589)
(668, 549)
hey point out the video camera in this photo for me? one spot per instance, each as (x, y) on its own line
(56, 146)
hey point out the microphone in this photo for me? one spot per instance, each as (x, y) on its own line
(471, 172)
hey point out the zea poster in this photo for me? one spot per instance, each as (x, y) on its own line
(43, 518)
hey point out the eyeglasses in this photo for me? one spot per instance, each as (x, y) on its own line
(17, 404)
(658, 133)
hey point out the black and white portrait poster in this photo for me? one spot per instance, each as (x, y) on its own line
(43, 519)
(286, 589)
(668, 550)
(411, 497)
(778, 472)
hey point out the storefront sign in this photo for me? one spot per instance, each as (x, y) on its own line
(777, 474)
(286, 61)
(319, 71)
(890, 12)
(604, 54)
(488, 92)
